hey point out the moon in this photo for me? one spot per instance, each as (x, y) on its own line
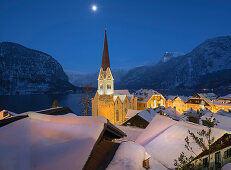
(94, 7)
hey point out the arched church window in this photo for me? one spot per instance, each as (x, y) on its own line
(126, 110)
(117, 115)
(108, 86)
(101, 86)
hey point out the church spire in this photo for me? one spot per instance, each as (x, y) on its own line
(105, 58)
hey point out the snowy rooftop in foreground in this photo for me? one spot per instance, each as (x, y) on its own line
(164, 138)
(49, 142)
(130, 156)
(224, 121)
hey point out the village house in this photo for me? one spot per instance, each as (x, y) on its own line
(221, 154)
(5, 114)
(139, 119)
(164, 140)
(107, 102)
(209, 101)
(148, 98)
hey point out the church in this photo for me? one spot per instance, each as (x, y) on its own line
(107, 102)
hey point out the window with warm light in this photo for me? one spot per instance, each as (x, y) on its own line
(117, 116)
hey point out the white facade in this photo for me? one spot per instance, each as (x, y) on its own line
(105, 82)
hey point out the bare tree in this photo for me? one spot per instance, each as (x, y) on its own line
(85, 100)
(201, 138)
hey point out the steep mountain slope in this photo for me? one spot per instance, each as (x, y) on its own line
(25, 71)
(170, 55)
(207, 66)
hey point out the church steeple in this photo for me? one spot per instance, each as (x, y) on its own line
(105, 79)
(105, 58)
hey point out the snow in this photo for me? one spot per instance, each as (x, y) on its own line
(147, 114)
(49, 142)
(131, 132)
(224, 121)
(223, 113)
(121, 92)
(130, 156)
(226, 167)
(170, 112)
(226, 97)
(131, 113)
(164, 139)
(146, 94)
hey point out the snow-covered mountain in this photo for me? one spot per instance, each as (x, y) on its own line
(90, 79)
(26, 71)
(206, 66)
(170, 55)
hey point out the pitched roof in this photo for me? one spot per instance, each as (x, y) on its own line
(121, 92)
(131, 113)
(169, 111)
(224, 121)
(52, 142)
(228, 97)
(144, 95)
(164, 135)
(105, 59)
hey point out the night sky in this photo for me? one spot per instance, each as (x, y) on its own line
(139, 31)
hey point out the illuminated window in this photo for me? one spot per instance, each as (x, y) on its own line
(117, 115)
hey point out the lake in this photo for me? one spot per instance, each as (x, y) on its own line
(35, 102)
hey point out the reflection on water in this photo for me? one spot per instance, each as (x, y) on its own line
(23, 103)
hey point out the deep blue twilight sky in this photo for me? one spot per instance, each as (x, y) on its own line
(139, 31)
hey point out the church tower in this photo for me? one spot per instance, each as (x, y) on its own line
(105, 79)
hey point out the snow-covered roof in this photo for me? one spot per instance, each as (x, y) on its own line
(147, 114)
(122, 97)
(170, 97)
(224, 121)
(164, 139)
(223, 113)
(169, 111)
(191, 110)
(221, 103)
(184, 98)
(131, 113)
(228, 97)
(130, 156)
(131, 132)
(226, 166)
(49, 142)
(210, 96)
(202, 96)
(145, 94)
(121, 92)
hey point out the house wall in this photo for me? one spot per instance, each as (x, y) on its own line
(179, 104)
(153, 102)
(212, 159)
